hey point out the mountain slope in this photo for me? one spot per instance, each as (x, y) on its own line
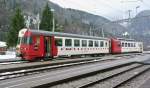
(72, 21)
(140, 27)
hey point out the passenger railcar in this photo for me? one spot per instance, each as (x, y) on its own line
(130, 45)
(33, 44)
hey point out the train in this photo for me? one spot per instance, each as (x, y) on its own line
(37, 44)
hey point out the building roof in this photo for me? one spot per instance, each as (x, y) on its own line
(2, 44)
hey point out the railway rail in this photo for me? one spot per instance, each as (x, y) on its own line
(35, 70)
(15, 72)
(19, 65)
(17, 61)
(118, 79)
(57, 77)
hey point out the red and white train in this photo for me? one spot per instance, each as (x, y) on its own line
(34, 44)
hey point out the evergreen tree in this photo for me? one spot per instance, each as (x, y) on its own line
(17, 23)
(47, 19)
(58, 27)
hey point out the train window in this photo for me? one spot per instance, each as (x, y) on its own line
(90, 43)
(101, 44)
(38, 40)
(125, 44)
(58, 42)
(128, 44)
(96, 44)
(19, 39)
(26, 40)
(76, 43)
(30, 40)
(68, 42)
(122, 44)
(84, 43)
(134, 45)
(105, 44)
(131, 44)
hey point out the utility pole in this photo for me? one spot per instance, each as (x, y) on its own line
(137, 10)
(103, 33)
(38, 21)
(131, 1)
(53, 30)
(53, 24)
(129, 18)
(129, 11)
(90, 31)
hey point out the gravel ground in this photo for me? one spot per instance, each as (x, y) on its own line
(110, 83)
(138, 81)
(79, 82)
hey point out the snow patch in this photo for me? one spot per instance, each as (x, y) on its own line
(10, 53)
(9, 56)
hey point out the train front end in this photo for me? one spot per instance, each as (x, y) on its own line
(23, 44)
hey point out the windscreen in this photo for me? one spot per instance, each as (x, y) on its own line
(24, 40)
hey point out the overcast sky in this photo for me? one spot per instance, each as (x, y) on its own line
(111, 9)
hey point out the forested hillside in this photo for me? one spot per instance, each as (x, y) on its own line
(68, 20)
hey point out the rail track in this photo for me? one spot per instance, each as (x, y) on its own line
(21, 61)
(22, 71)
(110, 78)
(19, 65)
(38, 69)
(111, 67)
(116, 80)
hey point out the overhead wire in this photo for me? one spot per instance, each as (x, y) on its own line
(139, 17)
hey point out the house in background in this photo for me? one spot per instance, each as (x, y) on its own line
(3, 47)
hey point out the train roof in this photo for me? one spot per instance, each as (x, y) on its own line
(125, 39)
(46, 33)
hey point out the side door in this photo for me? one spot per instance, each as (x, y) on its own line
(47, 46)
(36, 45)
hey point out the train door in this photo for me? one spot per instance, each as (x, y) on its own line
(141, 47)
(36, 46)
(47, 44)
(110, 46)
